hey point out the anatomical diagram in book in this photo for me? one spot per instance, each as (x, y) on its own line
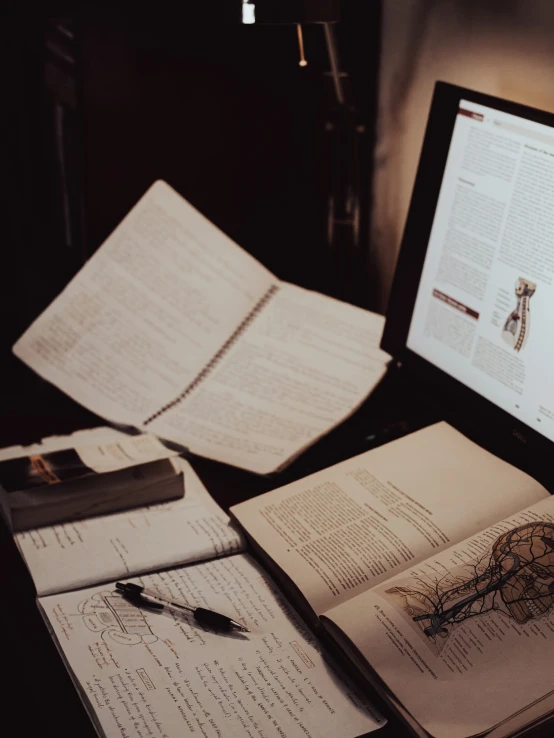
(516, 328)
(114, 618)
(515, 577)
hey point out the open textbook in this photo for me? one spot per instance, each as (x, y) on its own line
(430, 564)
(141, 673)
(172, 328)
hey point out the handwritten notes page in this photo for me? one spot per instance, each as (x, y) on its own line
(147, 312)
(301, 366)
(173, 328)
(150, 674)
(488, 608)
(108, 547)
(343, 530)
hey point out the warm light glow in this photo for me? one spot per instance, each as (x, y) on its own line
(248, 12)
(302, 62)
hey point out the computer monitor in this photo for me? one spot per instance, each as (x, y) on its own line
(472, 304)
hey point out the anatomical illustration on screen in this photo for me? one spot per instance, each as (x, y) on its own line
(515, 576)
(516, 328)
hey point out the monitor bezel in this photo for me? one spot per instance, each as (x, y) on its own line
(492, 426)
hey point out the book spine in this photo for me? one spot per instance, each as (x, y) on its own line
(258, 307)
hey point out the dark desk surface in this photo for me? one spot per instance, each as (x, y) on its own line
(30, 660)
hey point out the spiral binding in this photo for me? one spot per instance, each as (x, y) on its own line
(218, 355)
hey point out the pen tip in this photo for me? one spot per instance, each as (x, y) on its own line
(120, 585)
(244, 630)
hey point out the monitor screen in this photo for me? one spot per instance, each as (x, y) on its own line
(484, 307)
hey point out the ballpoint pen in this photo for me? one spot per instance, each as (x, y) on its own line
(142, 597)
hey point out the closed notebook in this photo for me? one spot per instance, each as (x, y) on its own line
(49, 486)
